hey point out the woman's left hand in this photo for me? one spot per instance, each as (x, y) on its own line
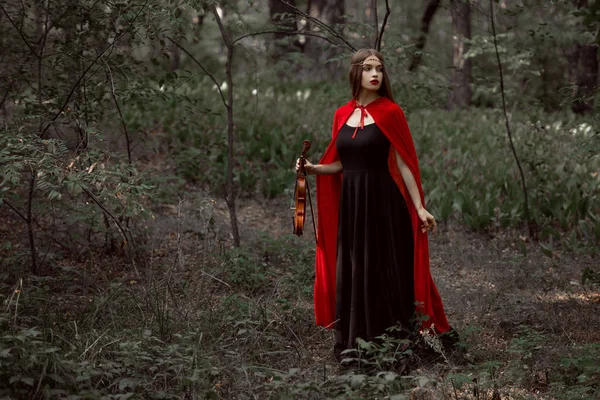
(427, 220)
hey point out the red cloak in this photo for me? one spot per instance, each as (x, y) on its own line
(390, 119)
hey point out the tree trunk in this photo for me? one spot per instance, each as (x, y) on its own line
(587, 79)
(231, 192)
(230, 187)
(174, 51)
(284, 19)
(330, 12)
(584, 63)
(370, 20)
(430, 11)
(460, 94)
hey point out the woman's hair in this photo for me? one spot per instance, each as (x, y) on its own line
(355, 73)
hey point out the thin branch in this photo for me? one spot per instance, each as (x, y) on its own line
(14, 209)
(512, 146)
(114, 96)
(30, 225)
(202, 68)
(385, 18)
(320, 23)
(42, 46)
(290, 33)
(122, 230)
(76, 85)
(20, 33)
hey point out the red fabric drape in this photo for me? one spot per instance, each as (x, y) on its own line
(390, 119)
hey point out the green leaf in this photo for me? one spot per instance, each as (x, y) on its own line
(128, 383)
(25, 379)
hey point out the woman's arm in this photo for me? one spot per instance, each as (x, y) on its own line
(427, 220)
(325, 169)
(409, 181)
(321, 169)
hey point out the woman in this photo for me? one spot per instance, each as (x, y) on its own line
(372, 261)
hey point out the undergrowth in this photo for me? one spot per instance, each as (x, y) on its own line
(468, 171)
(240, 325)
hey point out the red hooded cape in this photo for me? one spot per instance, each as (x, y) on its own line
(390, 119)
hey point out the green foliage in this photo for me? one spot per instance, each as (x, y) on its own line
(590, 276)
(62, 178)
(468, 172)
(579, 376)
(249, 275)
(528, 342)
(387, 352)
(472, 172)
(135, 363)
(255, 272)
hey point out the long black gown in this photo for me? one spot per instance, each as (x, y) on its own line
(375, 288)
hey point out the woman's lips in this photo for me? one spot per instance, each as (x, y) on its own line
(374, 82)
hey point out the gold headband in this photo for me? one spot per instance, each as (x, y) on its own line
(370, 58)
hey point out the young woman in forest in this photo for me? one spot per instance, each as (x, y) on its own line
(372, 260)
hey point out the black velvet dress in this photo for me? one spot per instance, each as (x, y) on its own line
(375, 242)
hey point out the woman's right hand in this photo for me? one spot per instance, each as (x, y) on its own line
(308, 166)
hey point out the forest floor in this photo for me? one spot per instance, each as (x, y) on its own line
(520, 312)
(529, 327)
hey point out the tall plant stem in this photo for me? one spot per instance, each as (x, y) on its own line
(507, 123)
(230, 195)
(34, 267)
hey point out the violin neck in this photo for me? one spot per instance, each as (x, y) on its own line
(302, 169)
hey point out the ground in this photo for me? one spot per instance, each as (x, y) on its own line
(520, 312)
(510, 301)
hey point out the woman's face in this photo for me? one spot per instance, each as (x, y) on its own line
(372, 74)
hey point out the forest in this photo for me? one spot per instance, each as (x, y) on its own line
(147, 153)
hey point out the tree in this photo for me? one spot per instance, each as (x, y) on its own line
(330, 12)
(430, 10)
(284, 19)
(584, 62)
(460, 84)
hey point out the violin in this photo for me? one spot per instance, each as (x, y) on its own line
(301, 192)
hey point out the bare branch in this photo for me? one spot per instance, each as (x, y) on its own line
(202, 68)
(114, 96)
(42, 46)
(508, 132)
(20, 33)
(14, 209)
(122, 230)
(385, 18)
(290, 33)
(29, 220)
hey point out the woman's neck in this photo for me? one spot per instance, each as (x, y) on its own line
(367, 96)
